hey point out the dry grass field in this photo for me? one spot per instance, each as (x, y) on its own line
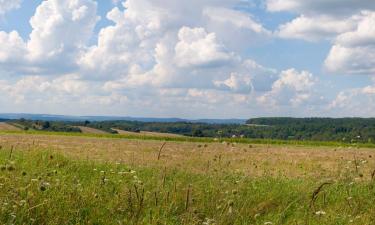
(8, 127)
(89, 130)
(147, 134)
(188, 183)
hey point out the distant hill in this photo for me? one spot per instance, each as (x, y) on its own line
(321, 129)
(290, 121)
(47, 117)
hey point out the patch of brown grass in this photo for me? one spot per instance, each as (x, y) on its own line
(8, 127)
(146, 133)
(89, 130)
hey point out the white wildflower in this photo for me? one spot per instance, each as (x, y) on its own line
(320, 213)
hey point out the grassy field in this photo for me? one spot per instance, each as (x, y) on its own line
(94, 179)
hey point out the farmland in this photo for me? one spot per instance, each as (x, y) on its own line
(8, 127)
(58, 179)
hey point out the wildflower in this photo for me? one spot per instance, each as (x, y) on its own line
(320, 213)
(209, 222)
(44, 186)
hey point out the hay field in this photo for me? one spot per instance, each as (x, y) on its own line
(124, 181)
(147, 133)
(8, 127)
(89, 130)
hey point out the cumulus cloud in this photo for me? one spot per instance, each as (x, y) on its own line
(319, 19)
(197, 48)
(169, 47)
(60, 30)
(349, 24)
(331, 7)
(12, 48)
(293, 88)
(353, 52)
(189, 56)
(237, 83)
(350, 102)
(316, 28)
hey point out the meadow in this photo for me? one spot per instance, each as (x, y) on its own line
(60, 178)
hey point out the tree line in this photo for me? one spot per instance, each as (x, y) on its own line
(316, 129)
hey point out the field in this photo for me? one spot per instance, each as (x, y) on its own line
(146, 133)
(8, 127)
(88, 130)
(60, 179)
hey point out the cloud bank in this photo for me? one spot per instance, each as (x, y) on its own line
(169, 58)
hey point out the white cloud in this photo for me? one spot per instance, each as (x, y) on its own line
(236, 29)
(157, 44)
(328, 7)
(351, 102)
(60, 30)
(237, 83)
(319, 19)
(8, 5)
(349, 24)
(196, 48)
(316, 28)
(61, 27)
(169, 57)
(354, 52)
(293, 88)
(12, 48)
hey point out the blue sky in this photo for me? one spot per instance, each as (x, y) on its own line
(201, 59)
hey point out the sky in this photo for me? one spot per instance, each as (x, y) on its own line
(188, 59)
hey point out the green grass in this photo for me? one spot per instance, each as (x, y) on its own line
(204, 140)
(42, 187)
